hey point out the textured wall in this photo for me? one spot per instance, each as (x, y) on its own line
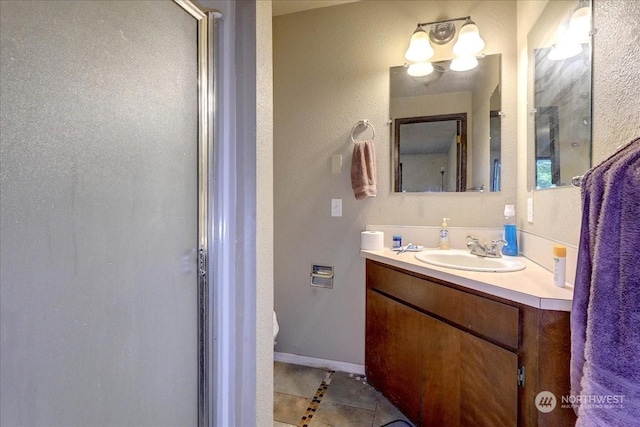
(264, 215)
(616, 104)
(331, 68)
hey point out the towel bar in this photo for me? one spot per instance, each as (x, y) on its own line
(365, 123)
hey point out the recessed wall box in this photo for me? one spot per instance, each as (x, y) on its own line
(322, 276)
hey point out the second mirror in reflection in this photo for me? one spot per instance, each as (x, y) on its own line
(446, 128)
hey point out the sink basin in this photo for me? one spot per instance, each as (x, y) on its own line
(463, 260)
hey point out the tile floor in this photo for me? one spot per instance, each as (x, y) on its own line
(316, 397)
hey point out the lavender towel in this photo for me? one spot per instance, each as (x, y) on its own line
(363, 169)
(605, 318)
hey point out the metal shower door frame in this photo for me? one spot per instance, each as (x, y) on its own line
(205, 20)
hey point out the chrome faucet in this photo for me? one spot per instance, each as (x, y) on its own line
(476, 248)
(493, 251)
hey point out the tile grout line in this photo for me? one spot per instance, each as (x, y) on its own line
(317, 398)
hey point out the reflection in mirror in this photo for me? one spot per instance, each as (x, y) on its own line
(434, 163)
(559, 130)
(446, 128)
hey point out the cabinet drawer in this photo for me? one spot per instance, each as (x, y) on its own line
(491, 319)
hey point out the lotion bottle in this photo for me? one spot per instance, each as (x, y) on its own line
(444, 235)
(559, 265)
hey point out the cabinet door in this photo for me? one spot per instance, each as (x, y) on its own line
(489, 389)
(466, 381)
(441, 373)
(392, 359)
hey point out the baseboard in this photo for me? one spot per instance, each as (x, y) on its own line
(314, 362)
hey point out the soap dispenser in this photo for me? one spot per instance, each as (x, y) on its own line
(510, 232)
(444, 235)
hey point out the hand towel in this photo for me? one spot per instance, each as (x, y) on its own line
(363, 169)
(605, 317)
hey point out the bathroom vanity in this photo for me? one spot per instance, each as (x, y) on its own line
(466, 349)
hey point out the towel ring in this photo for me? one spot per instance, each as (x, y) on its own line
(365, 123)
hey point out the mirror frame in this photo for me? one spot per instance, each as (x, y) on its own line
(461, 149)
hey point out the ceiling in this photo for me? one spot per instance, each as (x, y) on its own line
(428, 137)
(282, 7)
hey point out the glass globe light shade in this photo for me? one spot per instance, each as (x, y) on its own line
(580, 25)
(420, 69)
(565, 48)
(469, 41)
(464, 63)
(419, 47)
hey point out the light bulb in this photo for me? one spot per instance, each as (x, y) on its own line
(469, 41)
(565, 48)
(464, 63)
(419, 47)
(420, 69)
(580, 25)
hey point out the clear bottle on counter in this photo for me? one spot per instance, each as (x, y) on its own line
(444, 235)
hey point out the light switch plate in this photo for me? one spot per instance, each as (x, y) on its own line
(530, 210)
(336, 207)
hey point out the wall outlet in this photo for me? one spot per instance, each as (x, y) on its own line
(530, 210)
(336, 207)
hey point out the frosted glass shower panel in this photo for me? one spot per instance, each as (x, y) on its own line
(98, 208)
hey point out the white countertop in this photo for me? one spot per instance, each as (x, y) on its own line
(532, 286)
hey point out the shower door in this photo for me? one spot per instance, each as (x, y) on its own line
(99, 214)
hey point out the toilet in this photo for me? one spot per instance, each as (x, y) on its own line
(276, 328)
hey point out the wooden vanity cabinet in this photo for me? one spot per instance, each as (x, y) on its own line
(448, 356)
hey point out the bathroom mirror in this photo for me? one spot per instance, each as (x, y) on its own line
(446, 128)
(559, 94)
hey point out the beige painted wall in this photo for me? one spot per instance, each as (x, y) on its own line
(264, 215)
(331, 70)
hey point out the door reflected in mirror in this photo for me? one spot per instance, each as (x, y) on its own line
(446, 128)
(435, 163)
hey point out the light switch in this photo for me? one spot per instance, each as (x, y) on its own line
(530, 210)
(336, 207)
(336, 163)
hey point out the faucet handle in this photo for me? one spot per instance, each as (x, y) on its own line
(496, 248)
(495, 243)
(472, 242)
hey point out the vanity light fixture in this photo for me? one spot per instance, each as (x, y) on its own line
(569, 42)
(464, 63)
(563, 49)
(580, 23)
(420, 50)
(469, 40)
(420, 69)
(419, 47)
